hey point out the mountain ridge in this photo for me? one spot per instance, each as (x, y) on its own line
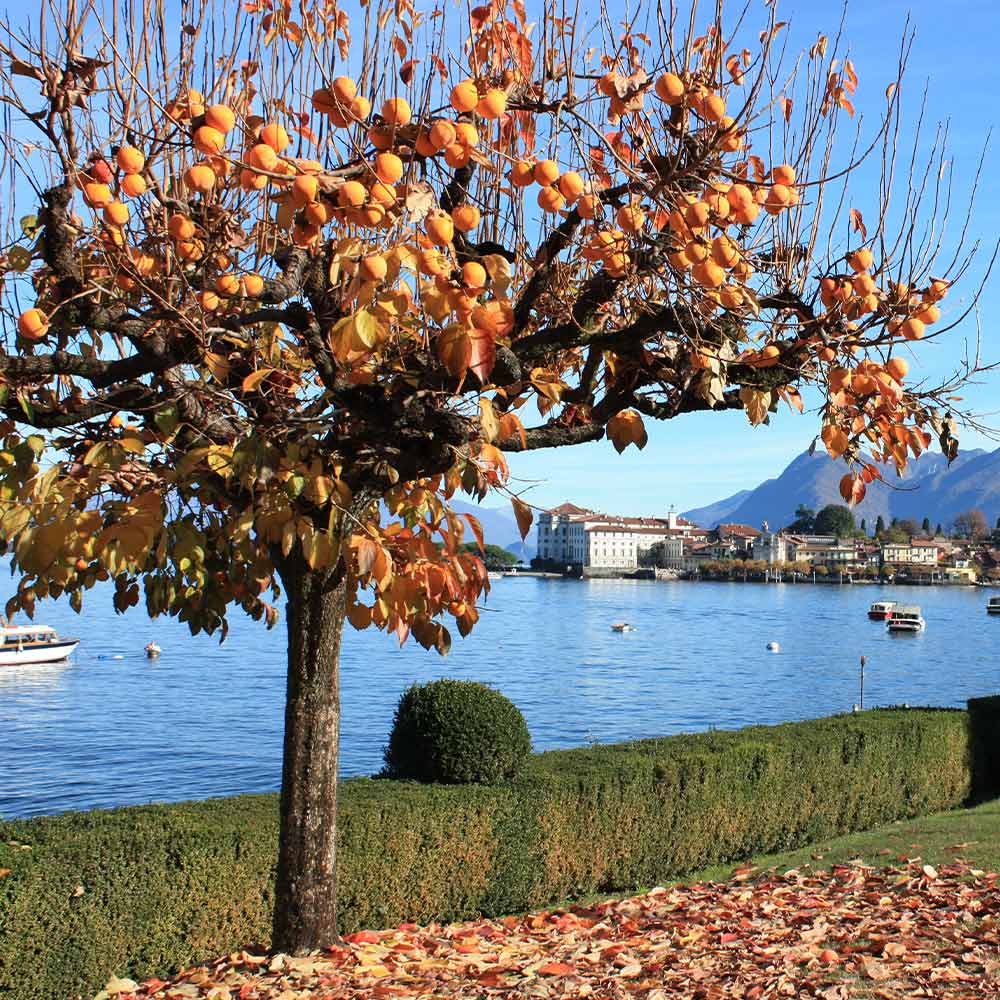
(929, 488)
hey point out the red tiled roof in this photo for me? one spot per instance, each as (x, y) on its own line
(570, 508)
(631, 529)
(738, 529)
(621, 521)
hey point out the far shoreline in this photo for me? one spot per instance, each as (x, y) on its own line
(829, 580)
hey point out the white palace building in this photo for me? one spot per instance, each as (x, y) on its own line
(573, 536)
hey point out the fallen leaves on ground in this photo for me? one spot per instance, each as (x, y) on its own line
(853, 932)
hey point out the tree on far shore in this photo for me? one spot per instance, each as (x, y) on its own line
(279, 285)
(805, 520)
(971, 524)
(835, 519)
(495, 557)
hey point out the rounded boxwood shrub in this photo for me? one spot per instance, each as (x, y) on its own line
(456, 733)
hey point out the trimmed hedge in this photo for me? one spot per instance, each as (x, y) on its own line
(456, 733)
(165, 886)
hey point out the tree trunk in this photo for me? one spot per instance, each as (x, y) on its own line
(305, 903)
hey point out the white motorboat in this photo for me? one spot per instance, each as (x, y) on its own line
(993, 606)
(621, 627)
(881, 610)
(33, 644)
(905, 618)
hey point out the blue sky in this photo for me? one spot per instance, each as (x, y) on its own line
(701, 458)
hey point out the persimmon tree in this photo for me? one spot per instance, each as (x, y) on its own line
(280, 282)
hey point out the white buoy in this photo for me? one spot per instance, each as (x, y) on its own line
(773, 647)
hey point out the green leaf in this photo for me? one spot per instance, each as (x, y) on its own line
(366, 328)
(133, 444)
(166, 420)
(18, 258)
(95, 453)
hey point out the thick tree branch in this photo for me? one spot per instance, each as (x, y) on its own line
(553, 436)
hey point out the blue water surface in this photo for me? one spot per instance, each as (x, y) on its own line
(206, 719)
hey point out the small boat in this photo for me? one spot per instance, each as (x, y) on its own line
(906, 619)
(152, 650)
(33, 644)
(621, 627)
(881, 610)
(993, 606)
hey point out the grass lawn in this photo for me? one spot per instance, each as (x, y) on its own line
(970, 834)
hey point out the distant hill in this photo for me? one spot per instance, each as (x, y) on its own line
(929, 489)
(717, 513)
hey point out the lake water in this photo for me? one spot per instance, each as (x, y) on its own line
(206, 720)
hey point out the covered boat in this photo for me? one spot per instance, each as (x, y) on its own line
(33, 644)
(881, 610)
(906, 618)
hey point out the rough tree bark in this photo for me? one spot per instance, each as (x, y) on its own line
(305, 905)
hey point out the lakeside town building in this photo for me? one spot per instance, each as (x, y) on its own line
(576, 539)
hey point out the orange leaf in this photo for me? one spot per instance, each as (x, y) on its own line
(477, 530)
(362, 937)
(359, 615)
(524, 516)
(510, 424)
(734, 69)
(366, 551)
(556, 969)
(406, 70)
(627, 428)
(852, 488)
(835, 439)
(858, 223)
(851, 83)
(482, 353)
(492, 460)
(793, 398)
(454, 347)
(254, 380)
